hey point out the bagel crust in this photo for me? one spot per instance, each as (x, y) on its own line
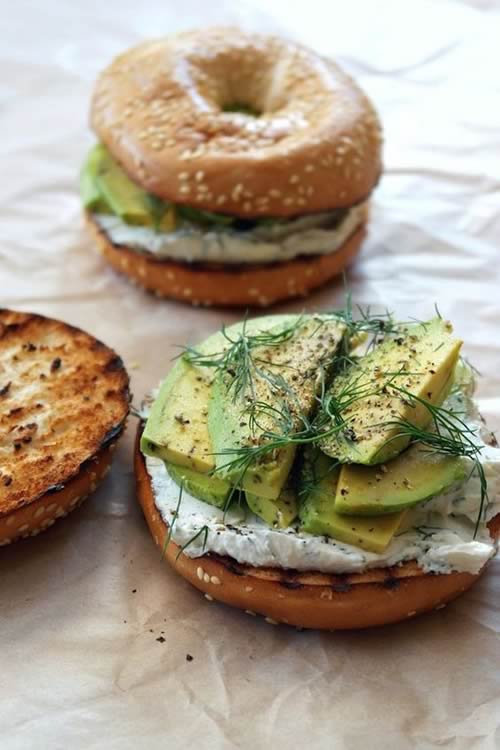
(64, 401)
(306, 600)
(240, 286)
(161, 110)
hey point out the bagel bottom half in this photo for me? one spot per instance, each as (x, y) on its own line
(243, 286)
(306, 600)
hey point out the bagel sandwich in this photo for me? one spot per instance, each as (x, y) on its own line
(64, 401)
(322, 472)
(231, 168)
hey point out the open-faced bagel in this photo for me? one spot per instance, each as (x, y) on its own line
(160, 108)
(64, 400)
(248, 286)
(307, 600)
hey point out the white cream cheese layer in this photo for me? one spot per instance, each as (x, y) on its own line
(439, 534)
(306, 235)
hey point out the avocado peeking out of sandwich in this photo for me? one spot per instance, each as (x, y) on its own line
(243, 181)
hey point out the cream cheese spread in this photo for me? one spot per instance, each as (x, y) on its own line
(438, 534)
(316, 234)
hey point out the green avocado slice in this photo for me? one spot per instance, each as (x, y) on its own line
(207, 488)
(285, 381)
(368, 400)
(415, 475)
(279, 513)
(318, 516)
(92, 197)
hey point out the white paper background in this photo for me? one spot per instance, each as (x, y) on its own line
(80, 667)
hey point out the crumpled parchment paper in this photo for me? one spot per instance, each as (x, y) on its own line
(85, 607)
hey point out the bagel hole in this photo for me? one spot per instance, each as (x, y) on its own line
(243, 108)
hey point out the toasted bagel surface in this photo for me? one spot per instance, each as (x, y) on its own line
(311, 142)
(241, 286)
(306, 600)
(64, 399)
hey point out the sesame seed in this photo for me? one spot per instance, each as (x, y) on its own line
(253, 292)
(185, 189)
(270, 621)
(210, 598)
(215, 580)
(247, 206)
(183, 176)
(249, 612)
(309, 168)
(187, 292)
(294, 179)
(199, 573)
(221, 199)
(199, 175)
(206, 578)
(248, 589)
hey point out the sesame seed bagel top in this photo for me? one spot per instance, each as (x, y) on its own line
(310, 141)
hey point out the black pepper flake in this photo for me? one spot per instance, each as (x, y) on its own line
(134, 591)
(189, 657)
(6, 388)
(56, 364)
(344, 491)
(160, 639)
(29, 347)
(7, 481)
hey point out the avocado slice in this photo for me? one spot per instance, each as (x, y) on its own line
(210, 489)
(415, 475)
(92, 197)
(420, 359)
(284, 385)
(126, 199)
(176, 429)
(318, 516)
(278, 513)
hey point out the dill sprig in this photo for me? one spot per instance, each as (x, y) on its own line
(450, 435)
(238, 357)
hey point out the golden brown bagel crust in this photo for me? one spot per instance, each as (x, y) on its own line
(315, 146)
(64, 399)
(40, 514)
(243, 286)
(306, 600)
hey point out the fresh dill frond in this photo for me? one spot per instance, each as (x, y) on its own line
(450, 435)
(238, 359)
(203, 531)
(168, 538)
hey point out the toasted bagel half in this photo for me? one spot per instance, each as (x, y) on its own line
(64, 400)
